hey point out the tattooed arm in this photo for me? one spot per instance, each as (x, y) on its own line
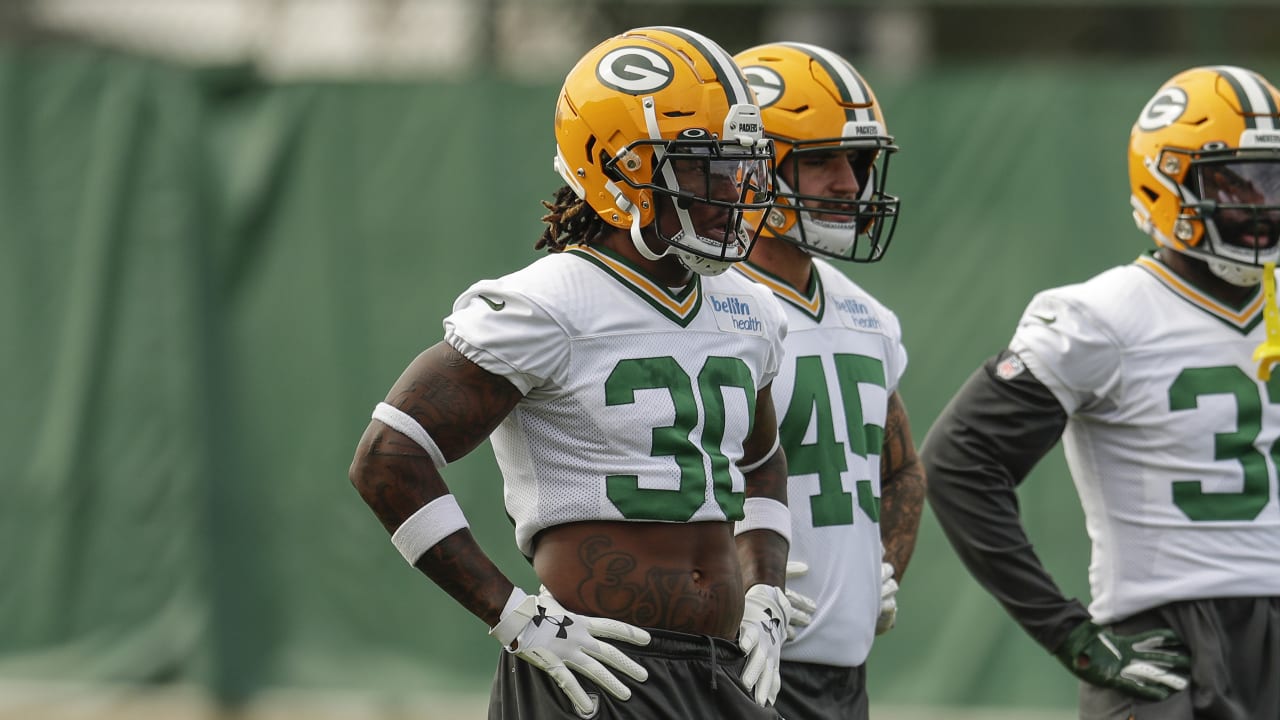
(459, 404)
(902, 489)
(763, 553)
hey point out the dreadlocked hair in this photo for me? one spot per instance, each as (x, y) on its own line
(570, 221)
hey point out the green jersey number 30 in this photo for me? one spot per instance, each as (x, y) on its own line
(676, 440)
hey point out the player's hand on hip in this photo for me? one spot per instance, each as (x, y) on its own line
(761, 634)
(802, 606)
(539, 630)
(888, 600)
(1150, 665)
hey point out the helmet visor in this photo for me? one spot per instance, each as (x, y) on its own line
(1242, 199)
(723, 176)
(705, 186)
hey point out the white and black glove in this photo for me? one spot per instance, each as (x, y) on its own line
(539, 630)
(761, 634)
(802, 606)
(888, 600)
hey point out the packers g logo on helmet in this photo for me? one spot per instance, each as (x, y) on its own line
(1204, 170)
(767, 84)
(1164, 109)
(816, 105)
(635, 70)
(656, 123)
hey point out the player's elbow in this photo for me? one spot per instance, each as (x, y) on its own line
(361, 468)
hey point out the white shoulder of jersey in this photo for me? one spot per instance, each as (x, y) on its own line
(516, 326)
(1071, 337)
(840, 290)
(838, 284)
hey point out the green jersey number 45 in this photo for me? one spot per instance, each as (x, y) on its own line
(826, 456)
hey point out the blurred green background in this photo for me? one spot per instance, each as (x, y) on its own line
(209, 274)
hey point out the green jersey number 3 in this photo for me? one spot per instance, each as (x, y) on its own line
(825, 456)
(676, 440)
(1189, 495)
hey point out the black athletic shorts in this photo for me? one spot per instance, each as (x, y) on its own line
(823, 692)
(1235, 663)
(690, 676)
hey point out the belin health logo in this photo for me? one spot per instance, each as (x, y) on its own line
(737, 312)
(856, 314)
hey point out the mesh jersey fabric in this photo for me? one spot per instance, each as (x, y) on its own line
(638, 399)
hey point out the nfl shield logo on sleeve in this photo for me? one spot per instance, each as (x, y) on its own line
(1010, 367)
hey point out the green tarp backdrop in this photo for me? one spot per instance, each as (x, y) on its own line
(207, 281)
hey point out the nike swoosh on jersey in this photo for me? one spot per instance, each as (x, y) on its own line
(495, 306)
(1046, 319)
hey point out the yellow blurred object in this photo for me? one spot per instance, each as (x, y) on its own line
(1268, 353)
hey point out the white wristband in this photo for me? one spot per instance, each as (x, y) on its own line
(764, 514)
(777, 443)
(432, 523)
(402, 422)
(511, 622)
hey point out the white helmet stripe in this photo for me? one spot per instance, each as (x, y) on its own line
(721, 61)
(852, 89)
(1259, 109)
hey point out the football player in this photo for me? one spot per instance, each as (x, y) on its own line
(1146, 372)
(856, 486)
(624, 382)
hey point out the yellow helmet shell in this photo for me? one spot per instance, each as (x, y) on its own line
(645, 84)
(1203, 111)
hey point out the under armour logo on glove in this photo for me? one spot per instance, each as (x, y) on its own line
(767, 610)
(563, 622)
(576, 646)
(770, 624)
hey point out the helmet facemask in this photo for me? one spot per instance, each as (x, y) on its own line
(857, 229)
(1234, 196)
(701, 187)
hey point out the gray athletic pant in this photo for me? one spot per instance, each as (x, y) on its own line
(823, 692)
(690, 676)
(1235, 663)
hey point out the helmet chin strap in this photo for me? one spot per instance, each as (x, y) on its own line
(642, 247)
(692, 261)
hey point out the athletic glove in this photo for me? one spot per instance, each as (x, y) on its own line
(888, 600)
(1151, 665)
(802, 606)
(760, 636)
(540, 631)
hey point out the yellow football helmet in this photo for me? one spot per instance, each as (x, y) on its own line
(1204, 170)
(815, 103)
(663, 113)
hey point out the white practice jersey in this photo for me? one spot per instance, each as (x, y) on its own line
(844, 357)
(637, 399)
(1171, 437)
